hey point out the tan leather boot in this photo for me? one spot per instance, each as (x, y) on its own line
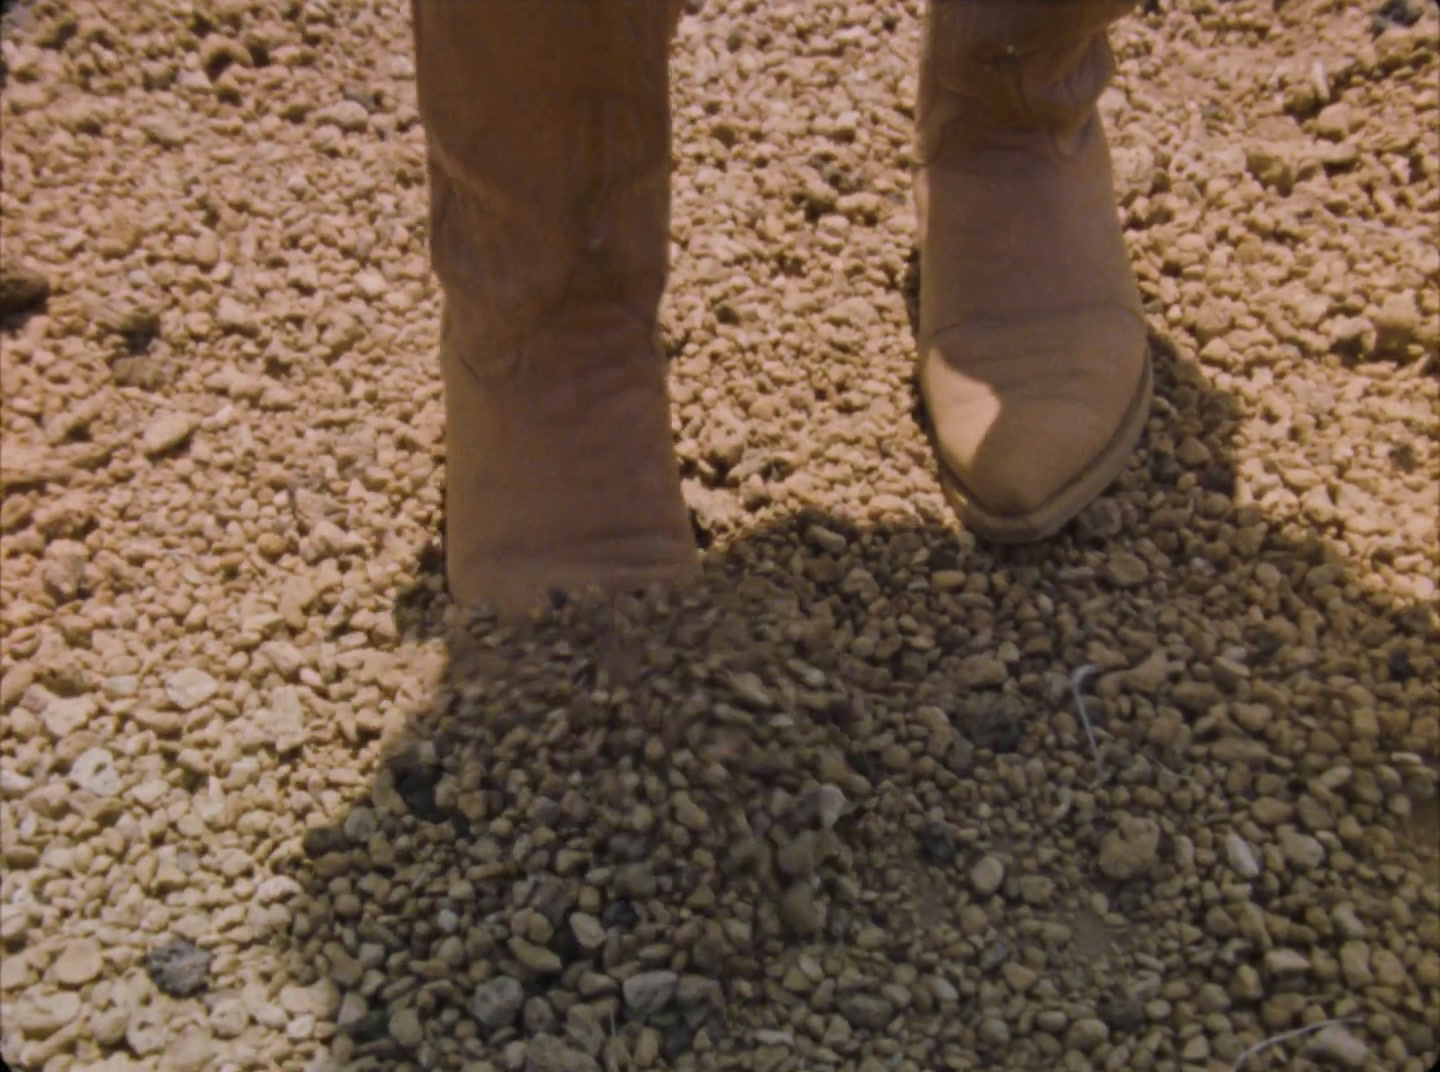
(548, 126)
(1033, 361)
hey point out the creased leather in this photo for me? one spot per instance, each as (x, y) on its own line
(548, 129)
(1031, 337)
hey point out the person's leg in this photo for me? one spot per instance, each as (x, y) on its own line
(1033, 360)
(548, 126)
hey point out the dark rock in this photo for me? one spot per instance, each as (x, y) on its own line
(937, 845)
(619, 913)
(323, 840)
(497, 1002)
(374, 1026)
(553, 898)
(22, 290)
(865, 1010)
(416, 786)
(179, 968)
(1396, 13)
(1121, 1014)
(1219, 479)
(961, 756)
(993, 955)
(143, 372)
(675, 1041)
(994, 721)
(549, 1053)
(635, 881)
(1399, 665)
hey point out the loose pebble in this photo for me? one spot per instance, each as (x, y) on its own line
(167, 432)
(80, 963)
(179, 968)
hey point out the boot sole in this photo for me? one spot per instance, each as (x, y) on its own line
(1088, 486)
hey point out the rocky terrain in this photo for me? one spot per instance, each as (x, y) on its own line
(1160, 795)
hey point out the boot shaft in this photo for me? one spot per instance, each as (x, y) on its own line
(1012, 66)
(548, 127)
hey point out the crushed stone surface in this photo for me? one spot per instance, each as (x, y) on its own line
(268, 803)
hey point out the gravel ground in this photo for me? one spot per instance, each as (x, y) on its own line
(266, 802)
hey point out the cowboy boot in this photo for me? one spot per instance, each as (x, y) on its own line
(548, 130)
(1032, 346)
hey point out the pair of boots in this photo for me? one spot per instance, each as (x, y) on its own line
(549, 134)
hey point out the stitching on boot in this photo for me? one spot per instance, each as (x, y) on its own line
(998, 325)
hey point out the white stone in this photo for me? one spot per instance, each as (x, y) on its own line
(190, 687)
(94, 771)
(987, 875)
(1241, 856)
(166, 432)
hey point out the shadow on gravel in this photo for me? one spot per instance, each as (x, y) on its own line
(653, 834)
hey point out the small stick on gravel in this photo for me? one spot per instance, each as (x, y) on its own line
(1168, 770)
(1077, 683)
(1265, 1044)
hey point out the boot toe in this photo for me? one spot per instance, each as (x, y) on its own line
(1031, 454)
(1040, 421)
